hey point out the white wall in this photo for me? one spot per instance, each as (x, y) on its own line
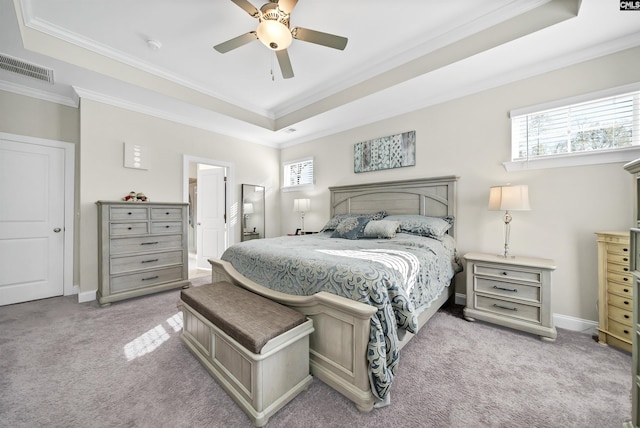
(470, 138)
(103, 130)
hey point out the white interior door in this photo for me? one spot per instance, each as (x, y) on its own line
(211, 225)
(31, 222)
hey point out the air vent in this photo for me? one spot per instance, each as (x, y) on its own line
(26, 69)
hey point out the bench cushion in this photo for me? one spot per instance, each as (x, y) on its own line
(250, 319)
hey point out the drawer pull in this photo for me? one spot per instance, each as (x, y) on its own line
(129, 227)
(624, 259)
(626, 316)
(129, 213)
(150, 278)
(625, 269)
(626, 302)
(505, 273)
(149, 243)
(626, 290)
(505, 289)
(149, 261)
(626, 331)
(625, 249)
(626, 279)
(167, 226)
(504, 307)
(167, 213)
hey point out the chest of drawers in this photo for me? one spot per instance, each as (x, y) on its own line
(142, 249)
(615, 290)
(512, 292)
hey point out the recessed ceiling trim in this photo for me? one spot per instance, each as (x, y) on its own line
(35, 93)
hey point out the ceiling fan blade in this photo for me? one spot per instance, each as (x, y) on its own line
(319, 38)
(236, 42)
(287, 5)
(285, 64)
(247, 7)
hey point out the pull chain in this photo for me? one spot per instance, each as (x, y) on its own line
(273, 77)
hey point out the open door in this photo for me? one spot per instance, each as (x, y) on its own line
(211, 226)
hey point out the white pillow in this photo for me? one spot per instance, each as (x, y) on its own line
(381, 229)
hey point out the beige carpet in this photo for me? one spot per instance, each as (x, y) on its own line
(64, 364)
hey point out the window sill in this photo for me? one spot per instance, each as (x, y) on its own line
(575, 159)
(299, 188)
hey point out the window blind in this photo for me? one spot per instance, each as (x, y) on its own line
(603, 124)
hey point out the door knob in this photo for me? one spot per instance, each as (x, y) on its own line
(57, 230)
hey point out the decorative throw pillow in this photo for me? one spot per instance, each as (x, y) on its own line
(431, 227)
(335, 220)
(381, 229)
(351, 228)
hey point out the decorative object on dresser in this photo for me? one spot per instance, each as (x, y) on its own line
(513, 292)
(142, 249)
(508, 198)
(302, 206)
(615, 290)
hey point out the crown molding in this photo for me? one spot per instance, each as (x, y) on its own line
(16, 88)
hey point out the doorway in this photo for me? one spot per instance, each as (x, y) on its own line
(209, 191)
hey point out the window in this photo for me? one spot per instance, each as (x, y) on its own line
(583, 127)
(298, 174)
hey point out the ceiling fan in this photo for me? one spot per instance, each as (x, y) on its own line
(273, 31)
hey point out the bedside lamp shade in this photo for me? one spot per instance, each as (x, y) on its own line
(301, 206)
(508, 198)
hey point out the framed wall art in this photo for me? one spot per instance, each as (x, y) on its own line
(393, 151)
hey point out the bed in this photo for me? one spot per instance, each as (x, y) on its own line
(359, 329)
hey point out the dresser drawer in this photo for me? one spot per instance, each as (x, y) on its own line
(620, 302)
(620, 315)
(622, 249)
(145, 243)
(625, 290)
(145, 279)
(166, 227)
(146, 261)
(138, 228)
(505, 308)
(618, 259)
(128, 213)
(512, 290)
(166, 213)
(507, 273)
(620, 330)
(620, 278)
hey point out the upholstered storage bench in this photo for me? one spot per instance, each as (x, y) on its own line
(256, 349)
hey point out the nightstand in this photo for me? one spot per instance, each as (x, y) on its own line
(513, 292)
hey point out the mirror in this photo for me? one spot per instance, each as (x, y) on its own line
(252, 212)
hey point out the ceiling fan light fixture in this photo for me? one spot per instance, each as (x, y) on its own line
(274, 35)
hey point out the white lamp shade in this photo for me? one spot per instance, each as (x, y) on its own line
(509, 198)
(301, 205)
(247, 208)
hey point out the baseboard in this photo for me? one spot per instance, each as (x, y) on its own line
(87, 296)
(560, 321)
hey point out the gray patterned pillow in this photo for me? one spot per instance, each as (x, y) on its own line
(351, 228)
(431, 227)
(335, 220)
(381, 229)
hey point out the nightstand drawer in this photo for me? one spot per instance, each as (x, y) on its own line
(620, 302)
(508, 289)
(620, 330)
(620, 315)
(505, 308)
(507, 273)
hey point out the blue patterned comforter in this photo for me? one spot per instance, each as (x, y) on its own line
(399, 276)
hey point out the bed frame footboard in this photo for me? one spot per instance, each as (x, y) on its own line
(338, 345)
